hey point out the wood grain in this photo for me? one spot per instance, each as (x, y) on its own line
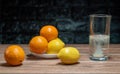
(84, 66)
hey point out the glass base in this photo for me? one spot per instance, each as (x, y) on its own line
(99, 58)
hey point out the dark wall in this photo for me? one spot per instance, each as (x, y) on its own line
(20, 20)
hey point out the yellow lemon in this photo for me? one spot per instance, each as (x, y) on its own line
(69, 55)
(55, 45)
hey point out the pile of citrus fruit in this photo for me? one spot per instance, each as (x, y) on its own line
(47, 42)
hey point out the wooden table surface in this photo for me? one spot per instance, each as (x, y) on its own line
(85, 65)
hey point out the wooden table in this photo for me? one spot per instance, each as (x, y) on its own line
(85, 65)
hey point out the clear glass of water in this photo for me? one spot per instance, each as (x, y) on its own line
(99, 37)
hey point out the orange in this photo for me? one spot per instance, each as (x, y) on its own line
(14, 55)
(38, 44)
(49, 32)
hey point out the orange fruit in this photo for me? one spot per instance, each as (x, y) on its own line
(14, 55)
(49, 32)
(38, 44)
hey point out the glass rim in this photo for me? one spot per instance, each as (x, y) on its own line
(100, 15)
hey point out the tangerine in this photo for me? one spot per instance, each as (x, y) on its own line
(14, 55)
(49, 32)
(38, 44)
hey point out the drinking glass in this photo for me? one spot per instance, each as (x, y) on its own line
(99, 37)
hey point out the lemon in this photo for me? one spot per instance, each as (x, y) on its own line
(69, 55)
(55, 45)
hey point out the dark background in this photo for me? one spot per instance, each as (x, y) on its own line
(20, 20)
